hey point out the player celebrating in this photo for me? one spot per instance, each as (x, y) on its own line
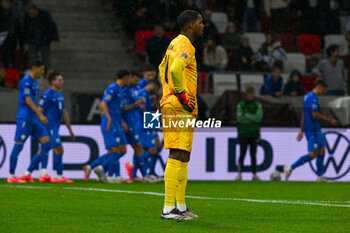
(149, 74)
(178, 72)
(111, 126)
(29, 120)
(52, 105)
(310, 125)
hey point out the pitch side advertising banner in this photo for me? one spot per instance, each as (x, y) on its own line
(214, 156)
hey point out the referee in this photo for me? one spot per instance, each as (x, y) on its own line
(249, 116)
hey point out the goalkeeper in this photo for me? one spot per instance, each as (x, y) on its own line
(249, 116)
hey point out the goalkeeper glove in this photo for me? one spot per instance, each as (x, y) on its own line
(187, 102)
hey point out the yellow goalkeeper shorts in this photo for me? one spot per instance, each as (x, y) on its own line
(178, 126)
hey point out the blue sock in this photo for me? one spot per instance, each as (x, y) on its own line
(58, 161)
(136, 166)
(17, 148)
(320, 165)
(152, 164)
(44, 154)
(159, 149)
(117, 164)
(34, 163)
(303, 159)
(99, 161)
(146, 156)
(142, 165)
(109, 164)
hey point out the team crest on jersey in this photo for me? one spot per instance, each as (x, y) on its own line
(184, 55)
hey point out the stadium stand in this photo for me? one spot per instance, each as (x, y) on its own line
(256, 39)
(223, 82)
(220, 20)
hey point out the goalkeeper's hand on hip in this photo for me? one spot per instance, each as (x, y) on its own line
(187, 102)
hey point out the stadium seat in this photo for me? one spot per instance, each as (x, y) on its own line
(220, 20)
(308, 82)
(256, 39)
(287, 42)
(223, 82)
(309, 44)
(346, 60)
(21, 59)
(338, 40)
(255, 80)
(203, 83)
(265, 24)
(171, 34)
(285, 77)
(295, 61)
(11, 77)
(140, 40)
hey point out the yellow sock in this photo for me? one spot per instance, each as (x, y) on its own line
(171, 180)
(181, 190)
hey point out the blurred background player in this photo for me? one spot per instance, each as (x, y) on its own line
(29, 120)
(133, 133)
(249, 116)
(52, 105)
(311, 126)
(178, 72)
(147, 138)
(149, 73)
(112, 130)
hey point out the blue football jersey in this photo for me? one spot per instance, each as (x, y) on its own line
(129, 98)
(28, 87)
(146, 97)
(53, 104)
(114, 96)
(142, 84)
(311, 104)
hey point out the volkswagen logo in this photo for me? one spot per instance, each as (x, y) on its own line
(2, 152)
(337, 160)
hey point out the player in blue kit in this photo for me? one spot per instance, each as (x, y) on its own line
(29, 120)
(149, 73)
(112, 130)
(52, 105)
(310, 125)
(148, 137)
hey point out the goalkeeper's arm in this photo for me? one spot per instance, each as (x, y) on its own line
(176, 72)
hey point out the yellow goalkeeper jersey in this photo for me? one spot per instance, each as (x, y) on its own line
(180, 47)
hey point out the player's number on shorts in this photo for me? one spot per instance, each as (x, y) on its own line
(166, 69)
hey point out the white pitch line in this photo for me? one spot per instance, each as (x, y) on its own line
(297, 202)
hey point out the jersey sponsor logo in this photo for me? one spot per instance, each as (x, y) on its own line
(184, 55)
(337, 160)
(2, 152)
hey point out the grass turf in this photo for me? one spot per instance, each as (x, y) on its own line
(52, 208)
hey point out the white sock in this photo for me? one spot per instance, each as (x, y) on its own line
(110, 177)
(168, 209)
(182, 207)
(43, 172)
(59, 176)
(11, 175)
(27, 173)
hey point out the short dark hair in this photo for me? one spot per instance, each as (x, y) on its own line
(122, 73)
(150, 68)
(321, 82)
(186, 17)
(154, 81)
(135, 73)
(331, 48)
(32, 6)
(36, 63)
(53, 76)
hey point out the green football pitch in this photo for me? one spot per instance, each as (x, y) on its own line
(221, 206)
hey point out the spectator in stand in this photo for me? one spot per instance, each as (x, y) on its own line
(190, 5)
(10, 32)
(294, 87)
(273, 83)
(333, 71)
(270, 54)
(201, 4)
(251, 11)
(277, 10)
(244, 55)
(2, 77)
(215, 56)
(167, 11)
(39, 31)
(157, 45)
(231, 39)
(311, 16)
(210, 30)
(139, 15)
